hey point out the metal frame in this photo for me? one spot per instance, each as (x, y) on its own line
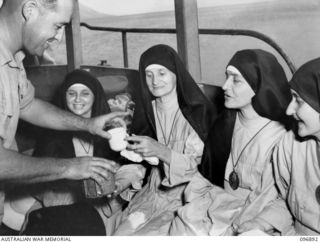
(73, 40)
(186, 13)
(242, 32)
(187, 37)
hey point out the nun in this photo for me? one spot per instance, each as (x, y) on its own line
(296, 158)
(63, 207)
(179, 117)
(237, 157)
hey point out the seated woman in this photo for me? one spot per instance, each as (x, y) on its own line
(179, 116)
(296, 162)
(256, 94)
(82, 94)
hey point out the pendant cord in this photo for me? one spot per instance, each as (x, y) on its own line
(235, 164)
(162, 130)
(82, 145)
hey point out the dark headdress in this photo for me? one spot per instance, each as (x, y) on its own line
(58, 143)
(306, 82)
(195, 107)
(267, 79)
(78, 76)
(272, 96)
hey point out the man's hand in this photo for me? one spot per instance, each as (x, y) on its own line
(97, 169)
(97, 124)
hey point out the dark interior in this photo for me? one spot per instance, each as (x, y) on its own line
(46, 79)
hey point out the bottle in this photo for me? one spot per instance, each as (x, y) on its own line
(130, 107)
(93, 190)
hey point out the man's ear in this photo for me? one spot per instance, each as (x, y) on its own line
(30, 8)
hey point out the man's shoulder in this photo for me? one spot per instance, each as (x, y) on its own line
(5, 54)
(7, 58)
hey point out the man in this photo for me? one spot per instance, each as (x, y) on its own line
(31, 25)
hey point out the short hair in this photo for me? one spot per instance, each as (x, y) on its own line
(49, 4)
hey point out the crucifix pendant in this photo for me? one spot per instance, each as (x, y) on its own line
(234, 180)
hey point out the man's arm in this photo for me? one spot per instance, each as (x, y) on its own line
(44, 114)
(19, 168)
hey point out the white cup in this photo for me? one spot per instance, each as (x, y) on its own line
(117, 142)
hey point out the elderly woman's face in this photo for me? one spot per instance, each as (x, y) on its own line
(237, 91)
(307, 117)
(80, 100)
(160, 80)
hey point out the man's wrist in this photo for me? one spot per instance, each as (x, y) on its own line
(65, 165)
(88, 127)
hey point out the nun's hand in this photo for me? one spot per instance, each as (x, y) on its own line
(96, 125)
(148, 147)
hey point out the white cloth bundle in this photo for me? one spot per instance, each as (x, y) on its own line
(137, 158)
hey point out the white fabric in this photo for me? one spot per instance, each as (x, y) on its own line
(256, 197)
(160, 198)
(82, 148)
(257, 186)
(137, 158)
(297, 170)
(15, 211)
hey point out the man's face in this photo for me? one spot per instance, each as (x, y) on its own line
(45, 26)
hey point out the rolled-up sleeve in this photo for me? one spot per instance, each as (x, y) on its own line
(26, 93)
(7, 112)
(3, 116)
(3, 119)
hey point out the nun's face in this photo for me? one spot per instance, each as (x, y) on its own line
(160, 80)
(237, 91)
(80, 100)
(307, 117)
